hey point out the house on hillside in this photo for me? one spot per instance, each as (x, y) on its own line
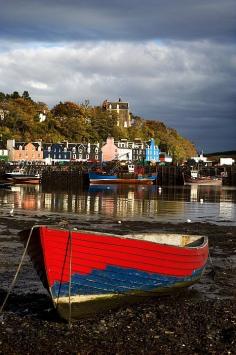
(3, 114)
(122, 110)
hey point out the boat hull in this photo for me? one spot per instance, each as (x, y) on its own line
(213, 182)
(23, 178)
(88, 272)
(97, 179)
(26, 180)
(121, 181)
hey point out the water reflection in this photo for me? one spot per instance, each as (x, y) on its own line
(199, 203)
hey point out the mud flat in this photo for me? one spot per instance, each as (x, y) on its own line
(199, 320)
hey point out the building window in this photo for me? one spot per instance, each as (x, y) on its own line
(74, 156)
(96, 157)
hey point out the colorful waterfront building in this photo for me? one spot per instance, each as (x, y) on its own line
(22, 151)
(56, 153)
(86, 152)
(152, 152)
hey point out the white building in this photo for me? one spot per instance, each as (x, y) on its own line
(226, 161)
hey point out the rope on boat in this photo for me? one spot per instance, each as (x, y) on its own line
(70, 271)
(18, 269)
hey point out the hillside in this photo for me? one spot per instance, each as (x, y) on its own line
(21, 120)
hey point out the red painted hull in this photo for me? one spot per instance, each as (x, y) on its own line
(90, 264)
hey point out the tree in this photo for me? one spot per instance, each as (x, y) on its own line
(15, 95)
(104, 122)
(26, 95)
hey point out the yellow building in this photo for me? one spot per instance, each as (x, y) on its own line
(122, 110)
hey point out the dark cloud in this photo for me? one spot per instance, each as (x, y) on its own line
(53, 20)
(172, 60)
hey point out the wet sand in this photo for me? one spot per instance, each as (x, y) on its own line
(199, 320)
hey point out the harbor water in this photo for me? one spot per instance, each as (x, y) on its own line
(204, 311)
(212, 204)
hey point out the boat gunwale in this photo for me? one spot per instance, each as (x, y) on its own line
(134, 236)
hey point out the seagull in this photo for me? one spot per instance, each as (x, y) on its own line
(11, 212)
(119, 222)
(189, 221)
(201, 200)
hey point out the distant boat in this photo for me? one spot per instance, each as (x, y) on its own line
(20, 177)
(196, 179)
(87, 272)
(103, 178)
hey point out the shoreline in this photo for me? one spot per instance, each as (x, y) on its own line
(197, 320)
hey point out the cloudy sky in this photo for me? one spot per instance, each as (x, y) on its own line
(172, 60)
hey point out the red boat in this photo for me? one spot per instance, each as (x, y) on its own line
(86, 271)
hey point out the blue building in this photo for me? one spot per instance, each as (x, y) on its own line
(56, 152)
(152, 152)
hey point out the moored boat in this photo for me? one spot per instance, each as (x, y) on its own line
(20, 177)
(204, 181)
(87, 272)
(195, 179)
(27, 179)
(99, 178)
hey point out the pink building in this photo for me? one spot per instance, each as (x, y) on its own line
(109, 150)
(19, 151)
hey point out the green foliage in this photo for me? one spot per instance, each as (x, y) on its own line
(82, 123)
(15, 95)
(2, 96)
